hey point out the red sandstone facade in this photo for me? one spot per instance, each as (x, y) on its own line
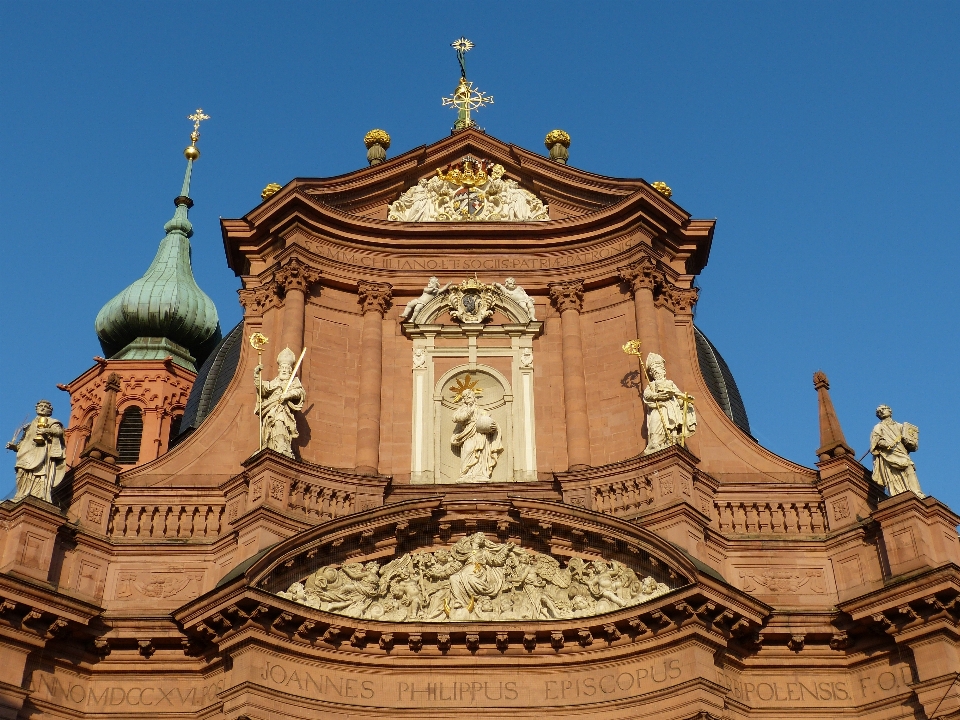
(797, 591)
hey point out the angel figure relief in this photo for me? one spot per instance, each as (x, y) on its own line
(475, 579)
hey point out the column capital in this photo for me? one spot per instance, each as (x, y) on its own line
(257, 300)
(374, 296)
(666, 297)
(296, 275)
(567, 295)
(641, 274)
(684, 300)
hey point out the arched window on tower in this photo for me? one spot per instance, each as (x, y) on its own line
(129, 436)
(175, 423)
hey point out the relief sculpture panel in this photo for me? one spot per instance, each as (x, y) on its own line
(476, 579)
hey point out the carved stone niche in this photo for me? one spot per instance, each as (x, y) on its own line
(458, 343)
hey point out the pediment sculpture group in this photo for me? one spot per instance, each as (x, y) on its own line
(469, 191)
(476, 579)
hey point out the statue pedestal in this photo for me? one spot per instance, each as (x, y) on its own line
(94, 488)
(664, 488)
(276, 497)
(30, 537)
(917, 533)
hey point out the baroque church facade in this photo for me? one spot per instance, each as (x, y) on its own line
(441, 479)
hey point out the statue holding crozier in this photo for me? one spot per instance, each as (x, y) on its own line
(41, 456)
(278, 400)
(891, 444)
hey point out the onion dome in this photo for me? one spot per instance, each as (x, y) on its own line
(164, 313)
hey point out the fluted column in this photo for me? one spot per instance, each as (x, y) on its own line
(641, 276)
(374, 298)
(296, 279)
(567, 297)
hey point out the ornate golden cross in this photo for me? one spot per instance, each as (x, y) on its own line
(198, 117)
(465, 98)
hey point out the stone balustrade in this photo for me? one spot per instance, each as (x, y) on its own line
(622, 497)
(320, 501)
(163, 520)
(761, 517)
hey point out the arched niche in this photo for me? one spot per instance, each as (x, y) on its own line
(495, 400)
(491, 335)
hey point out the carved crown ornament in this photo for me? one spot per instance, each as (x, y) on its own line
(470, 190)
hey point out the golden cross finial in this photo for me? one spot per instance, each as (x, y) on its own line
(198, 117)
(465, 98)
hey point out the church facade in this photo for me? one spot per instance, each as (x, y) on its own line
(443, 480)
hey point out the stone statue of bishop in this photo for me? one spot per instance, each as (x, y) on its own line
(279, 399)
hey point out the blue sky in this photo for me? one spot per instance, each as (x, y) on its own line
(823, 136)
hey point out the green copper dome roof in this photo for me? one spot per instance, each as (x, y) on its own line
(165, 312)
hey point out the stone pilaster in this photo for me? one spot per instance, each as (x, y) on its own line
(296, 278)
(374, 298)
(567, 297)
(641, 277)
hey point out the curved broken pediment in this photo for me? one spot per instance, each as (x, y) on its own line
(470, 190)
(475, 579)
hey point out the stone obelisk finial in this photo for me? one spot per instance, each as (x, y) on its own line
(103, 439)
(832, 442)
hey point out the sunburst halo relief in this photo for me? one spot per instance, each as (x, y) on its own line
(465, 383)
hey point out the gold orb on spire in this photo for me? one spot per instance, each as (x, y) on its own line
(191, 152)
(557, 136)
(377, 137)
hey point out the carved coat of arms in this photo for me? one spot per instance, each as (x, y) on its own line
(467, 191)
(471, 301)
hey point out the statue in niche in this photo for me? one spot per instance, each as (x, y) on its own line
(891, 444)
(41, 456)
(671, 418)
(518, 295)
(413, 307)
(475, 437)
(280, 398)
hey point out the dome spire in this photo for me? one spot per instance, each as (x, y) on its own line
(165, 313)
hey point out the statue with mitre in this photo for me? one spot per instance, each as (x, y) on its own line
(41, 456)
(279, 399)
(671, 418)
(891, 444)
